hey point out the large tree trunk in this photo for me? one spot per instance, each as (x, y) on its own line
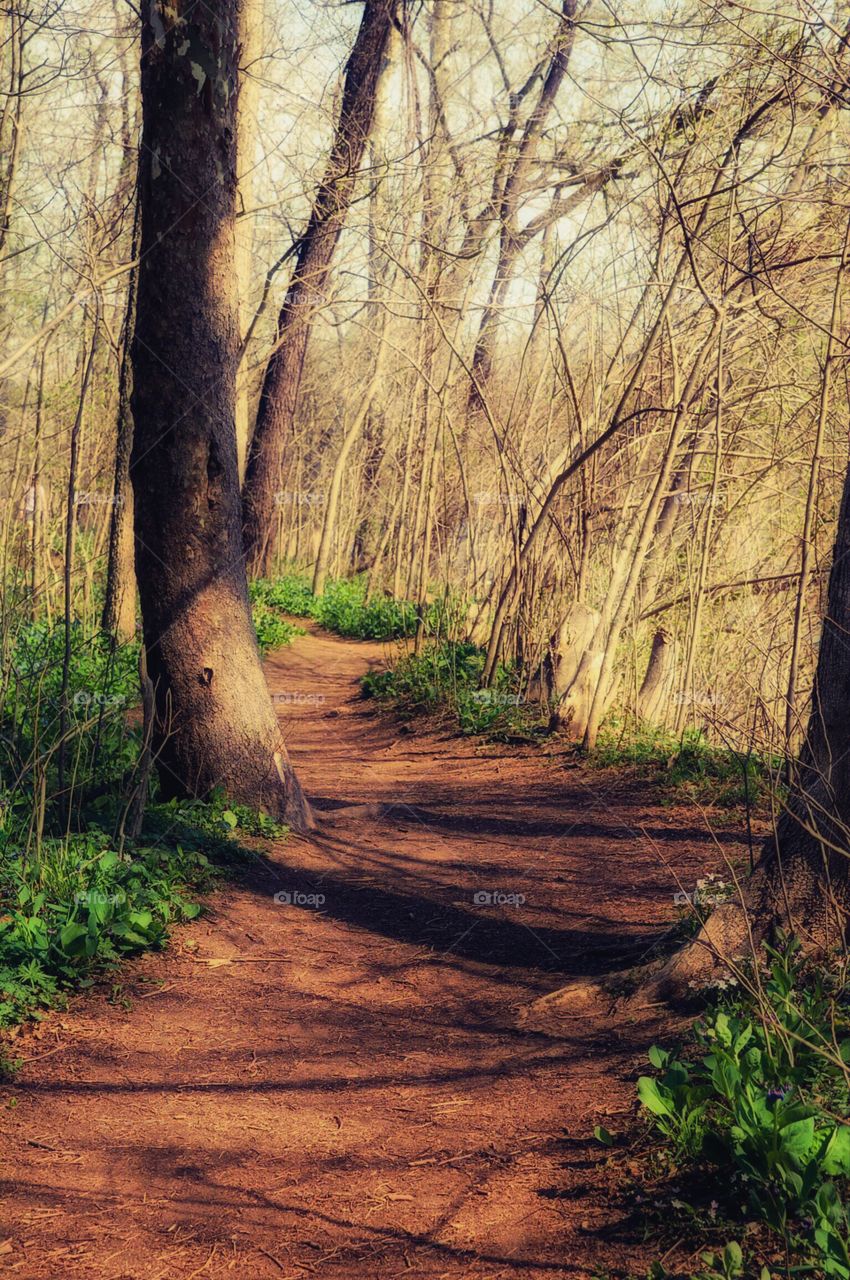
(305, 293)
(214, 720)
(802, 880)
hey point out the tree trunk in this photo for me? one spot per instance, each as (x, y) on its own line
(349, 440)
(802, 880)
(560, 666)
(215, 725)
(119, 608)
(305, 293)
(658, 681)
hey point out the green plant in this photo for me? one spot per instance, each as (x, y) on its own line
(344, 608)
(78, 903)
(216, 819)
(273, 631)
(102, 687)
(762, 1107)
(289, 594)
(687, 763)
(445, 678)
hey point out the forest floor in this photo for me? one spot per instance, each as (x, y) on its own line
(344, 1089)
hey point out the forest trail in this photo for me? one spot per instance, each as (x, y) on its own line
(342, 1090)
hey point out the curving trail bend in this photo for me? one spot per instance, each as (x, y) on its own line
(341, 1089)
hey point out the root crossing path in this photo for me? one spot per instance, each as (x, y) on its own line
(327, 1075)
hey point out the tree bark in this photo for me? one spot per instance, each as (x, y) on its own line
(251, 15)
(658, 680)
(215, 725)
(281, 384)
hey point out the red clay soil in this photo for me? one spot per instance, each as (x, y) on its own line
(343, 1090)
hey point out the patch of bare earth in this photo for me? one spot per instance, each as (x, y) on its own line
(343, 1090)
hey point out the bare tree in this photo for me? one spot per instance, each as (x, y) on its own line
(305, 292)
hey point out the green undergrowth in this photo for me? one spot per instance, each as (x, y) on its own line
(749, 1148)
(73, 906)
(272, 630)
(77, 904)
(444, 679)
(343, 607)
(76, 896)
(100, 743)
(688, 765)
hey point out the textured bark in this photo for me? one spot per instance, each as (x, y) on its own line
(560, 667)
(215, 725)
(251, 13)
(306, 291)
(658, 681)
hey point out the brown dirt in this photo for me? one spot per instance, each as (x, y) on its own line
(345, 1092)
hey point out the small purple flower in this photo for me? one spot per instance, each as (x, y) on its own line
(778, 1093)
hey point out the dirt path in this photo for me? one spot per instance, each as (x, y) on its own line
(342, 1091)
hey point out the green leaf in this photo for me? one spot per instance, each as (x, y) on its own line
(658, 1057)
(602, 1135)
(72, 938)
(734, 1258)
(798, 1137)
(651, 1098)
(836, 1156)
(721, 1026)
(743, 1038)
(230, 819)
